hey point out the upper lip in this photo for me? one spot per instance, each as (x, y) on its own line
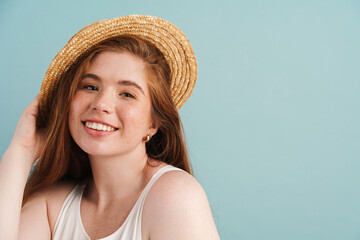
(98, 121)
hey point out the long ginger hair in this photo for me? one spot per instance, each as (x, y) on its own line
(62, 160)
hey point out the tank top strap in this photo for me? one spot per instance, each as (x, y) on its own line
(156, 176)
(68, 221)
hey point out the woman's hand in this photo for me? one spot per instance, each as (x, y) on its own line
(27, 138)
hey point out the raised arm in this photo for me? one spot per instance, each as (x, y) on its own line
(15, 166)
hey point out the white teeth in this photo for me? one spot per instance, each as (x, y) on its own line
(99, 126)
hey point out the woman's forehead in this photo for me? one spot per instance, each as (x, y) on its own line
(119, 64)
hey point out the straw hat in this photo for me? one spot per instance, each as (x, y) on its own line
(169, 39)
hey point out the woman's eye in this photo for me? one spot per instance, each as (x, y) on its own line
(127, 95)
(90, 87)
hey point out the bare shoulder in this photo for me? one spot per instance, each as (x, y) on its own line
(55, 198)
(51, 194)
(177, 208)
(43, 208)
(175, 184)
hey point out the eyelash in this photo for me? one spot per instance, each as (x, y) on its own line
(94, 88)
(91, 87)
(129, 95)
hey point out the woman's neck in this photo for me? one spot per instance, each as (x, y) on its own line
(117, 177)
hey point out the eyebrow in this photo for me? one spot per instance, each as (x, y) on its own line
(120, 82)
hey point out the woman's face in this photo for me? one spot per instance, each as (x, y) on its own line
(110, 112)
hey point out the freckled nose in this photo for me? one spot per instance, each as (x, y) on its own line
(104, 102)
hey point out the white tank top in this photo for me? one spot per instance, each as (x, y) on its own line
(69, 225)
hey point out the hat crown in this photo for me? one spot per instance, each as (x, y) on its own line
(169, 39)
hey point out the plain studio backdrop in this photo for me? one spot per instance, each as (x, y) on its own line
(272, 126)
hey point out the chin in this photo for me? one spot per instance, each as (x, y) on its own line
(97, 149)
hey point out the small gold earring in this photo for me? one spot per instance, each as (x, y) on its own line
(146, 138)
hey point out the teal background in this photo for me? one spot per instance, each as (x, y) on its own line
(273, 123)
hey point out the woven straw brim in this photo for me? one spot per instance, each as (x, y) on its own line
(169, 39)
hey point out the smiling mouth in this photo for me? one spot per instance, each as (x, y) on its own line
(99, 126)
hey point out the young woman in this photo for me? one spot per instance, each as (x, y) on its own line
(106, 130)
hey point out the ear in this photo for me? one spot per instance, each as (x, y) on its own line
(153, 128)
